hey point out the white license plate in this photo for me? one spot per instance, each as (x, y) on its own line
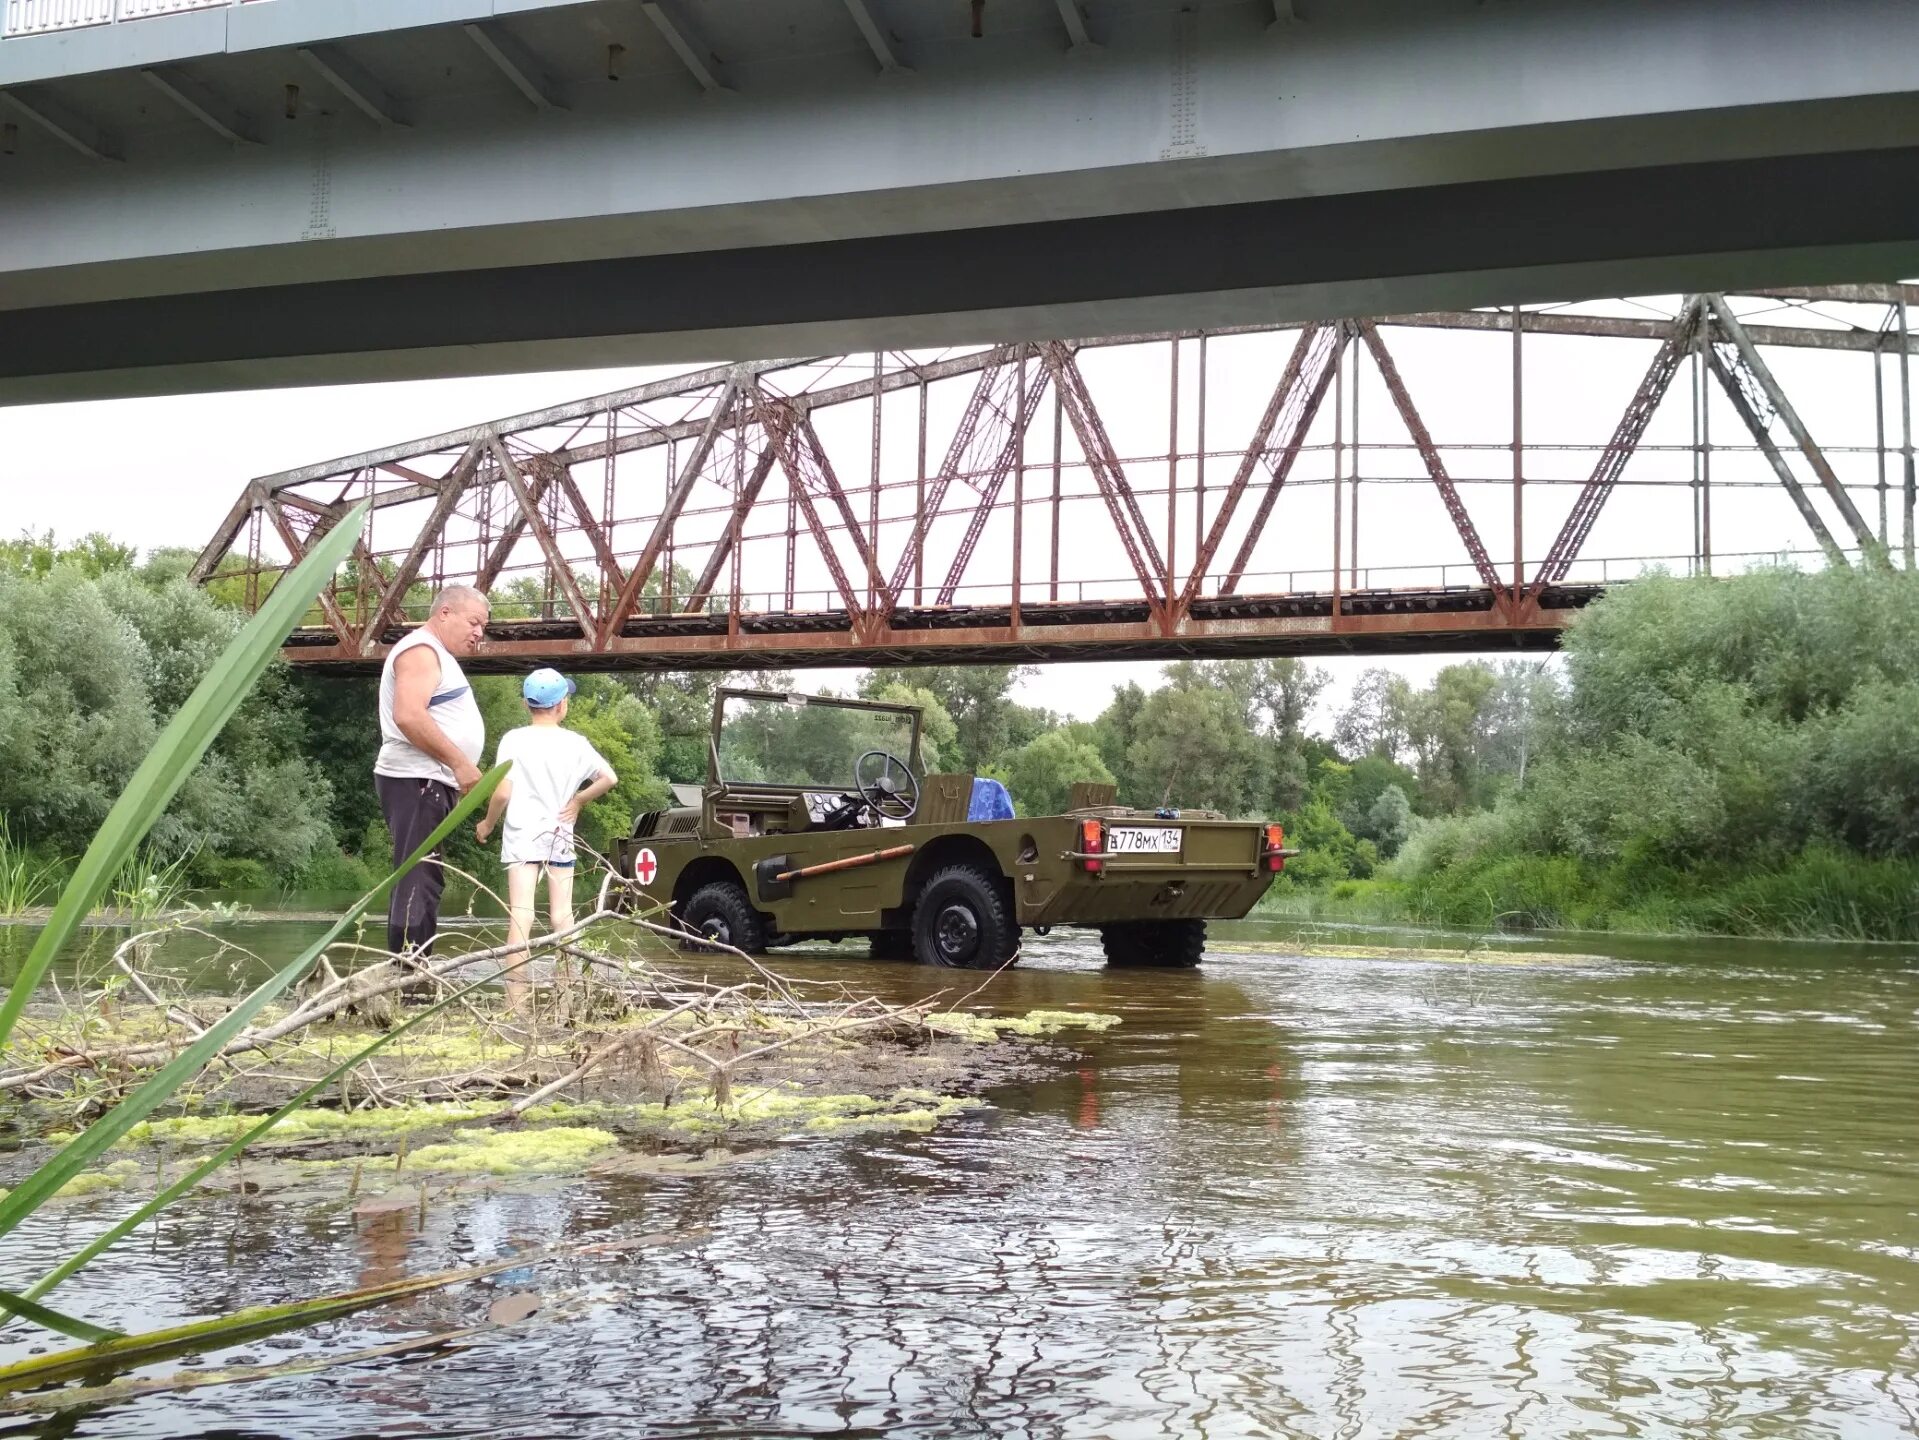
(1143, 840)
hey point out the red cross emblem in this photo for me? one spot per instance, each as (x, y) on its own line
(645, 866)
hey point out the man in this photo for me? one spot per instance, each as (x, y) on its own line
(431, 734)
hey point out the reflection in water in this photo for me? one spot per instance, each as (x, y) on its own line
(1670, 1196)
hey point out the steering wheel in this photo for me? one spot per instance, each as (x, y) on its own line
(888, 798)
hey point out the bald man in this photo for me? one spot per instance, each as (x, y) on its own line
(431, 735)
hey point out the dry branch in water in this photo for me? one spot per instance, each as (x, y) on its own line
(702, 1023)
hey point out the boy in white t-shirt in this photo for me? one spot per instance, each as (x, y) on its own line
(556, 773)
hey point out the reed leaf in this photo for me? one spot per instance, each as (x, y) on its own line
(167, 1195)
(179, 749)
(90, 1144)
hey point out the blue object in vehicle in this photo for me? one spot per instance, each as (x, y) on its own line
(989, 801)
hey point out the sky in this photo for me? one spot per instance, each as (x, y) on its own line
(162, 471)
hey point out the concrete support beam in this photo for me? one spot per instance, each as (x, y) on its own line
(211, 110)
(876, 39)
(355, 86)
(521, 66)
(685, 42)
(79, 135)
(1076, 33)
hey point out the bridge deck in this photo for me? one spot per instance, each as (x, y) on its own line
(1377, 622)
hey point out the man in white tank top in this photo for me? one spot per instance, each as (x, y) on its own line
(431, 736)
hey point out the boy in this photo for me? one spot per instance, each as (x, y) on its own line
(556, 773)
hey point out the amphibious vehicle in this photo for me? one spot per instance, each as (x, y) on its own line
(817, 821)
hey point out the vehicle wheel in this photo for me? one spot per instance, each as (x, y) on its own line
(891, 944)
(722, 913)
(964, 920)
(1155, 944)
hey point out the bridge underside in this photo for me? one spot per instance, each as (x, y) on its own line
(302, 190)
(1468, 619)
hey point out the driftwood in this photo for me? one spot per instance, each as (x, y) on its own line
(722, 1013)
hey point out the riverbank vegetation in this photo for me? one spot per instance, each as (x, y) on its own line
(1733, 755)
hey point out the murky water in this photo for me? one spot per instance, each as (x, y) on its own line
(1673, 1193)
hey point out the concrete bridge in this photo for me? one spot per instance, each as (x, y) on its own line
(203, 193)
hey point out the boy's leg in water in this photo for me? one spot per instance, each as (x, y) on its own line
(559, 908)
(520, 882)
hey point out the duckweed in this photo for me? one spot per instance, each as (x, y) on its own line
(554, 1150)
(984, 1029)
(312, 1124)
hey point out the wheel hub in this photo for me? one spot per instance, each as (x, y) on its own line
(957, 932)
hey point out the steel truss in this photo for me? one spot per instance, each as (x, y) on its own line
(785, 514)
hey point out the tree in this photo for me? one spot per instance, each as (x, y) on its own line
(939, 733)
(1377, 720)
(1388, 821)
(1041, 774)
(978, 697)
(1191, 749)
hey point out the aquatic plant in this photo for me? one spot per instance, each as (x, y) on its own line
(25, 880)
(172, 759)
(150, 884)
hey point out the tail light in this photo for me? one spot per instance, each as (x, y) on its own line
(1274, 853)
(1092, 844)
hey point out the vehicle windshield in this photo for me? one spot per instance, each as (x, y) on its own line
(808, 745)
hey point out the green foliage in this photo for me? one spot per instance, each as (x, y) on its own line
(978, 698)
(166, 767)
(1040, 774)
(939, 732)
(627, 736)
(1191, 748)
(26, 880)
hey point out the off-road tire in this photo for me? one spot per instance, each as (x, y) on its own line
(891, 944)
(722, 911)
(964, 920)
(1154, 944)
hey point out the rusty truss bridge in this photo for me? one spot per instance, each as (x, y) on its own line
(1252, 491)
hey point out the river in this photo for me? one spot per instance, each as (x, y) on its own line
(1669, 1192)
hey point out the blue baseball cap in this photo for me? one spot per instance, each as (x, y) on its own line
(544, 689)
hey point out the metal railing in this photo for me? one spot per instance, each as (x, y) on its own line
(43, 17)
(1404, 579)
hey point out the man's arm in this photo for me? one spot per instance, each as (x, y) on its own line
(415, 674)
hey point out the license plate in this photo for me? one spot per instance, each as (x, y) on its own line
(1143, 840)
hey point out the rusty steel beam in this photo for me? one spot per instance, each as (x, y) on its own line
(543, 536)
(781, 422)
(957, 451)
(1483, 628)
(1728, 325)
(297, 549)
(722, 551)
(1731, 381)
(725, 411)
(1103, 461)
(1294, 404)
(450, 495)
(1625, 440)
(1429, 453)
(510, 533)
(1026, 405)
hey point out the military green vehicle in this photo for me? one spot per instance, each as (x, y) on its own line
(816, 821)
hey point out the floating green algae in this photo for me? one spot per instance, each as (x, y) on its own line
(311, 1125)
(95, 1182)
(985, 1029)
(549, 1150)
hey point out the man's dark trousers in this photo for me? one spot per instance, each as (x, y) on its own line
(413, 809)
